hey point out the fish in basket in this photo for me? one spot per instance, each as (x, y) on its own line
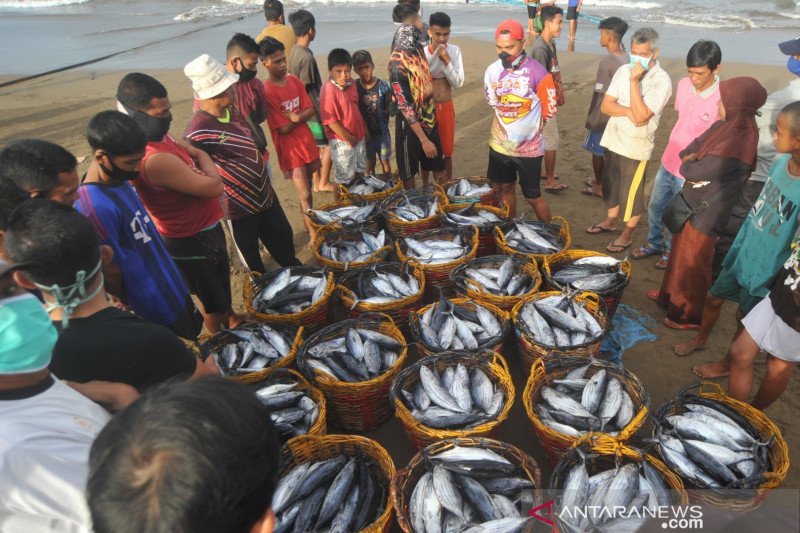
(251, 347)
(533, 238)
(347, 216)
(497, 275)
(472, 190)
(369, 185)
(412, 211)
(560, 321)
(288, 293)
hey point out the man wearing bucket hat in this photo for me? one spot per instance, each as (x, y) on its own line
(48, 427)
(249, 202)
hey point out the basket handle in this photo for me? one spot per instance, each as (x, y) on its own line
(500, 361)
(591, 296)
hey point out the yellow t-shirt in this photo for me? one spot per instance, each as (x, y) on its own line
(282, 32)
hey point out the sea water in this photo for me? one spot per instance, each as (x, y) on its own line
(41, 35)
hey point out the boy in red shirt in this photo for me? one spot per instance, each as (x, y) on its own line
(341, 116)
(289, 110)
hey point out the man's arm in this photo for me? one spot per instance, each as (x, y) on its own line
(170, 172)
(402, 92)
(639, 110)
(340, 130)
(113, 281)
(296, 119)
(113, 396)
(488, 90)
(453, 67)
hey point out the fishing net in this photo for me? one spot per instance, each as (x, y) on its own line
(628, 328)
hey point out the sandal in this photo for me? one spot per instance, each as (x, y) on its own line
(556, 188)
(589, 191)
(662, 263)
(589, 182)
(644, 251)
(598, 229)
(617, 248)
(654, 294)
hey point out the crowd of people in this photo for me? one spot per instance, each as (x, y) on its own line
(109, 413)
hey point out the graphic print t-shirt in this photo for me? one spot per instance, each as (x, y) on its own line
(374, 103)
(296, 148)
(411, 81)
(785, 294)
(522, 99)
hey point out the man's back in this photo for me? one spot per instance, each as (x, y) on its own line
(301, 63)
(282, 32)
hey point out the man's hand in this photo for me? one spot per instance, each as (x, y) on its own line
(293, 117)
(351, 139)
(690, 157)
(629, 114)
(114, 396)
(429, 148)
(442, 53)
(637, 72)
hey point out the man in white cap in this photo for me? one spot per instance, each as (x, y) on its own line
(249, 203)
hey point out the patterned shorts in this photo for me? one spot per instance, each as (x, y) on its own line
(347, 160)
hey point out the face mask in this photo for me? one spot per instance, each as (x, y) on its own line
(644, 61)
(69, 297)
(510, 61)
(27, 335)
(246, 74)
(118, 174)
(342, 87)
(155, 128)
(793, 65)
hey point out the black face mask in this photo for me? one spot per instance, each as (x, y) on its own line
(511, 62)
(246, 74)
(155, 128)
(118, 174)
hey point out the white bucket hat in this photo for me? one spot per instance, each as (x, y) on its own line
(209, 77)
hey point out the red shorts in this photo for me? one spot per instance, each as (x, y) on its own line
(446, 123)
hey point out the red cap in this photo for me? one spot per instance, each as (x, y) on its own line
(511, 26)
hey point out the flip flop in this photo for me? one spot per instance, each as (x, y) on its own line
(662, 263)
(545, 177)
(622, 247)
(589, 191)
(654, 294)
(600, 229)
(557, 188)
(671, 324)
(644, 251)
(589, 182)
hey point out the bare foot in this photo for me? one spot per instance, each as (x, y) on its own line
(685, 348)
(719, 369)
(329, 187)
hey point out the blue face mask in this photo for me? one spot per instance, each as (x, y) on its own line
(793, 65)
(644, 61)
(27, 335)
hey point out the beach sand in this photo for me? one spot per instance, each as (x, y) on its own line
(58, 108)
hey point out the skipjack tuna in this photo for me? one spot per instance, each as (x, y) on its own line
(440, 250)
(471, 490)
(472, 216)
(352, 251)
(358, 355)
(577, 405)
(348, 216)
(369, 184)
(254, 347)
(629, 493)
(375, 287)
(595, 273)
(447, 326)
(560, 322)
(292, 411)
(410, 206)
(340, 495)
(535, 238)
(712, 446)
(291, 294)
(464, 188)
(504, 281)
(455, 398)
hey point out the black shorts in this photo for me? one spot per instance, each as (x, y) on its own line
(506, 169)
(203, 261)
(532, 9)
(409, 154)
(572, 13)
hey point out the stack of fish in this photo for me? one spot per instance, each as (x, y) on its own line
(289, 293)
(469, 490)
(369, 184)
(535, 238)
(576, 405)
(252, 347)
(454, 398)
(340, 495)
(598, 273)
(713, 446)
(502, 281)
(612, 499)
(335, 248)
(358, 354)
(472, 216)
(464, 187)
(560, 322)
(411, 207)
(375, 287)
(437, 250)
(348, 216)
(292, 411)
(447, 326)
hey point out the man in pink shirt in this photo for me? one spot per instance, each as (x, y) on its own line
(696, 102)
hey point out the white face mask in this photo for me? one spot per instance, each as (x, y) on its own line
(642, 60)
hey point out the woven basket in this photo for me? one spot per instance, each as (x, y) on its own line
(425, 350)
(312, 318)
(420, 435)
(337, 267)
(553, 263)
(226, 337)
(603, 454)
(398, 310)
(478, 294)
(766, 430)
(544, 372)
(407, 478)
(355, 406)
(256, 380)
(490, 198)
(437, 276)
(504, 248)
(401, 228)
(486, 241)
(372, 224)
(530, 350)
(376, 196)
(317, 448)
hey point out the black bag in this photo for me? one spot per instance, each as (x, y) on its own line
(679, 211)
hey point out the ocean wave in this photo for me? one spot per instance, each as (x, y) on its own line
(623, 4)
(35, 4)
(236, 8)
(730, 22)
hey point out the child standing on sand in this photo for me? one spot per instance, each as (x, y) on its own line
(344, 125)
(375, 100)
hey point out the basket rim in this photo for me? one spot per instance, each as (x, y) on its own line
(504, 317)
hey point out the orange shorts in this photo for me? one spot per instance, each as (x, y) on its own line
(446, 123)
